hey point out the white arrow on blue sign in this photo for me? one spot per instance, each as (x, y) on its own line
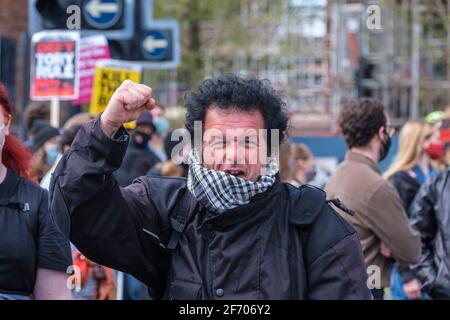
(155, 44)
(160, 44)
(102, 14)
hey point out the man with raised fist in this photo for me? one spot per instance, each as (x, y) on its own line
(231, 230)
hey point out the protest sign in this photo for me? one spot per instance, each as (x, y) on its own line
(54, 65)
(92, 49)
(109, 74)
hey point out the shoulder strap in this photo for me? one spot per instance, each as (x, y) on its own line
(308, 202)
(178, 223)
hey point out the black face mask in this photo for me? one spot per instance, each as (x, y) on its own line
(141, 139)
(385, 146)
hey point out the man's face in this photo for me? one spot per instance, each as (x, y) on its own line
(233, 143)
(385, 135)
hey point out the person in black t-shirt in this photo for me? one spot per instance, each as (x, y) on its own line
(34, 255)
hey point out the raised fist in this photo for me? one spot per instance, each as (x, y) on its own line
(127, 103)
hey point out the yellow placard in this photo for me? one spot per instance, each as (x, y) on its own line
(106, 80)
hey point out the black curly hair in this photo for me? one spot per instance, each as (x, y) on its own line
(241, 94)
(360, 120)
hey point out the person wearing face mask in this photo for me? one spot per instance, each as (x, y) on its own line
(44, 146)
(139, 158)
(430, 215)
(34, 255)
(380, 219)
(64, 143)
(444, 132)
(419, 144)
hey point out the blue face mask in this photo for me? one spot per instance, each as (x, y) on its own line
(161, 126)
(51, 154)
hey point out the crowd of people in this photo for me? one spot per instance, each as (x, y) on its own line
(105, 194)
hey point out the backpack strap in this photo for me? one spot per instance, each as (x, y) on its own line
(308, 202)
(178, 223)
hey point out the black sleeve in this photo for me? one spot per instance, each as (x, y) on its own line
(337, 272)
(406, 193)
(105, 221)
(53, 248)
(424, 220)
(399, 185)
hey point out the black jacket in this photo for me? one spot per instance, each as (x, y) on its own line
(29, 239)
(136, 162)
(407, 187)
(250, 252)
(430, 214)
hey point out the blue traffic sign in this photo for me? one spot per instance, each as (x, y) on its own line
(102, 14)
(160, 44)
(156, 44)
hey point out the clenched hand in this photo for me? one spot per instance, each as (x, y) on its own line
(127, 103)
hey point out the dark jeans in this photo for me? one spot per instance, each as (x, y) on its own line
(378, 294)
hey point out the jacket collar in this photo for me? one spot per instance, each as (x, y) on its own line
(360, 158)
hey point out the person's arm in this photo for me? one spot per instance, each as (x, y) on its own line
(424, 220)
(106, 222)
(387, 219)
(53, 257)
(51, 285)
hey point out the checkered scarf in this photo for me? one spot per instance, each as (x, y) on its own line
(220, 191)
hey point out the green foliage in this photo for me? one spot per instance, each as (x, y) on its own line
(211, 29)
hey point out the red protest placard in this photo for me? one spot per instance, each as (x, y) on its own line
(54, 65)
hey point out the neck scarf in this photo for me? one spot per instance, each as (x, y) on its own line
(220, 191)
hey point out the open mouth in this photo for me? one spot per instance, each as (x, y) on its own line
(236, 172)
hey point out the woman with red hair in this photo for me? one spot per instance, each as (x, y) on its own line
(34, 255)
